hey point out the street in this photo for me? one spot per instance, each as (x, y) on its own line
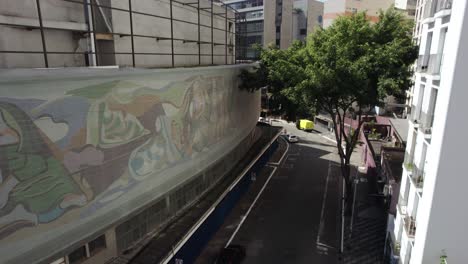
(296, 219)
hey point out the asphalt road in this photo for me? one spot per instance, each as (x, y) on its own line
(296, 219)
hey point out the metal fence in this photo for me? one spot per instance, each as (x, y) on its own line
(93, 15)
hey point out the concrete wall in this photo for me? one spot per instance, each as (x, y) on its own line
(299, 22)
(314, 16)
(83, 149)
(63, 15)
(286, 24)
(57, 14)
(145, 25)
(269, 24)
(335, 8)
(331, 10)
(371, 7)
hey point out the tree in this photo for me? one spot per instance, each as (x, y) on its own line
(278, 71)
(344, 70)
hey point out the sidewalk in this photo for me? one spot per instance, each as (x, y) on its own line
(365, 244)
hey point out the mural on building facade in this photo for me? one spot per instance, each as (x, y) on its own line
(92, 145)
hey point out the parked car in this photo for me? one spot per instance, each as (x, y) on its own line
(292, 138)
(232, 254)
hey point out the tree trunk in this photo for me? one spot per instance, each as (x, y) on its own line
(346, 171)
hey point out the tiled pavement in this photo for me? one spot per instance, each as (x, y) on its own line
(366, 243)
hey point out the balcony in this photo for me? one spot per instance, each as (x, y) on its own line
(422, 63)
(429, 8)
(434, 64)
(433, 6)
(417, 177)
(402, 205)
(408, 162)
(429, 63)
(410, 226)
(427, 120)
(414, 116)
(443, 5)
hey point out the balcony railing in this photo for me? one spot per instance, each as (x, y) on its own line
(417, 176)
(410, 226)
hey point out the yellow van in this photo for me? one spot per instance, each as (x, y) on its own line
(306, 125)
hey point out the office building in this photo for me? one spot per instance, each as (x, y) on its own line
(276, 22)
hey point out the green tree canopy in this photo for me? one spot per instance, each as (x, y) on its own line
(344, 70)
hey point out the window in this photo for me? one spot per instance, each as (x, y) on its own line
(278, 29)
(77, 256)
(59, 261)
(320, 19)
(277, 42)
(256, 26)
(96, 245)
(303, 31)
(86, 251)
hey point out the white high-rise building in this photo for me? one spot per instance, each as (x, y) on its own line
(430, 225)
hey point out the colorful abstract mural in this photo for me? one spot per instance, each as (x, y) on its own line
(78, 148)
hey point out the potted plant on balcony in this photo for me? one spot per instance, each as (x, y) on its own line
(409, 166)
(397, 248)
(419, 181)
(443, 258)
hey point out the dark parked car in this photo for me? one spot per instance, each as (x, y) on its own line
(233, 254)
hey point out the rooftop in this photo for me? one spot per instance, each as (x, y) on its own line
(400, 127)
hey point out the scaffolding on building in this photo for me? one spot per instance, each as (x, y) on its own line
(93, 10)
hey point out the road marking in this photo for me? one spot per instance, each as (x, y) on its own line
(322, 213)
(327, 138)
(194, 228)
(334, 141)
(322, 250)
(251, 206)
(324, 246)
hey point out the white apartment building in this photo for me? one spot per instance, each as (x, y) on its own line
(408, 6)
(430, 224)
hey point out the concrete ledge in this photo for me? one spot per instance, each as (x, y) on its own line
(48, 24)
